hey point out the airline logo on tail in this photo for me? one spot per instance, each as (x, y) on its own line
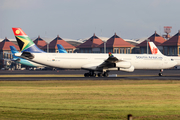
(154, 49)
(23, 40)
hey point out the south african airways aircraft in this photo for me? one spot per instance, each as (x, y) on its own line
(94, 63)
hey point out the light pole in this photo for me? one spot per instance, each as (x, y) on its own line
(104, 46)
(47, 47)
(147, 46)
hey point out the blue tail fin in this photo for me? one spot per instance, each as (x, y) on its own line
(13, 50)
(61, 49)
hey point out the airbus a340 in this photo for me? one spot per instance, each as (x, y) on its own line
(94, 63)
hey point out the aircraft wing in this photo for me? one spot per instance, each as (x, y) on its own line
(110, 62)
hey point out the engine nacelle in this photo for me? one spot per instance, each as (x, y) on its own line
(131, 69)
(123, 64)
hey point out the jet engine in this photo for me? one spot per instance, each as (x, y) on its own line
(123, 64)
(131, 69)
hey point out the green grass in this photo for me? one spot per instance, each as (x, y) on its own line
(87, 100)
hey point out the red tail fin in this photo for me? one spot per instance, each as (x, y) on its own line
(18, 32)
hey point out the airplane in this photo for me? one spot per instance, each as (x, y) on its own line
(29, 63)
(94, 63)
(155, 51)
(61, 49)
(21, 60)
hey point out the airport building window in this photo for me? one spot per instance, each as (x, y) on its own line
(85, 50)
(109, 50)
(143, 50)
(128, 50)
(175, 50)
(69, 51)
(102, 50)
(90, 51)
(81, 50)
(121, 50)
(116, 50)
(165, 50)
(170, 51)
(1, 55)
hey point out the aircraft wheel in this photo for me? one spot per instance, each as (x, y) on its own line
(94, 75)
(105, 74)
(86, 74)
(160, 74)
(99, 74)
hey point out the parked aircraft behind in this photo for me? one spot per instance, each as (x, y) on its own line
(99, 63)
(155, 51)
(29, 63)
(61, 49)
(21, 60)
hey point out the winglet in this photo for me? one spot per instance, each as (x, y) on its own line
(154, 49)
(110, 54)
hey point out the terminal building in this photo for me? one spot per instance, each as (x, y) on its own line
(91, 45)
(5, 53)
(115, 44)
(156, 38)
(52, 46)
(171, 47)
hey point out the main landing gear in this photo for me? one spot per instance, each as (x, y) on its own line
(160, 73)
(92, 74)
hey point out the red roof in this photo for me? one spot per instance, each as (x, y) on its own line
(173, 41)
(156, 38)
(40, 42)
(92, 42)
(58, 40)
(5, 45)
(116, 41)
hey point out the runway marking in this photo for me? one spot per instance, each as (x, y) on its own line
(78, 75)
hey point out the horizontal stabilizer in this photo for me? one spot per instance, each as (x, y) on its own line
(27, 55)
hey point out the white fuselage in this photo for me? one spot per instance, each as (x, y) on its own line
(78, 60)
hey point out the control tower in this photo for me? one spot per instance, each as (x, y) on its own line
(167, 30)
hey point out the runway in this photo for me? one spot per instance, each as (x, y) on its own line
(170, 74)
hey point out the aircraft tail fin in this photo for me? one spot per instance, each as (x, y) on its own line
(61, 49)
(154, 49)
(13, 50)
(24, 42)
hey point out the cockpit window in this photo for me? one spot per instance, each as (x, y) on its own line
(172, 59)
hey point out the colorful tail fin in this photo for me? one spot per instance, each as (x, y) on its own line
(154, 49)
(61, 49)
(24, 42)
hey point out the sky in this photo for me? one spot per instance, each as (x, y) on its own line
(78, 19)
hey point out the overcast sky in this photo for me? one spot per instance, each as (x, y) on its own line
(75, 19)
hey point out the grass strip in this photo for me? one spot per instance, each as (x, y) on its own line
(101, 99)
